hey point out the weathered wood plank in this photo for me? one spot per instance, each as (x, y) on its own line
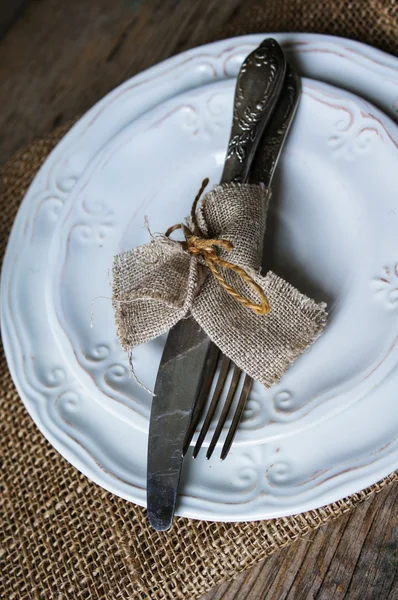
(366, 560)
(9, 11)
(354, 558)
(60, 58)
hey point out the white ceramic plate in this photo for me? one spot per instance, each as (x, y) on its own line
(329, 427)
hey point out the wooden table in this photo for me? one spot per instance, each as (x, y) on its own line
(56, 60)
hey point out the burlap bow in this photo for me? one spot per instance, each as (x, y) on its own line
(156, 285)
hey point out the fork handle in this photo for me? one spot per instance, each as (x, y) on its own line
(258, 86)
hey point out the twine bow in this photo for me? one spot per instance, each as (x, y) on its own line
(198, 245)
(161, 282)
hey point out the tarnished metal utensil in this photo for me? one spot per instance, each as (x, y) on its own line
(262, 170)
(189, 353)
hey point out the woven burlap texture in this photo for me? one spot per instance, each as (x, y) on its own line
(61, 536)
(373, 22)
(157, 284)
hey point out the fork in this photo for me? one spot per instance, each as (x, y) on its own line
(262, 170)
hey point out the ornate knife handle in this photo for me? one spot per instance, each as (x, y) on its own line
(258, 86)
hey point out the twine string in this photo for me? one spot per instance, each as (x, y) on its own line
(198, 245)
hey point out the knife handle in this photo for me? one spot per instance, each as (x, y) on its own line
(257, 90)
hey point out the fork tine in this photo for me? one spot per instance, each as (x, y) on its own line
(225, 411)
(225, 362)
(247, 386)
(204, 393)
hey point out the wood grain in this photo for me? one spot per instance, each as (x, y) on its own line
(59, 58)
(355, 558)
(8, 13)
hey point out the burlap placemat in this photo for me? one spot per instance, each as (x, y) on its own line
(373, 22)
(62, 536)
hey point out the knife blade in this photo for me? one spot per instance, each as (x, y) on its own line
(188, 352)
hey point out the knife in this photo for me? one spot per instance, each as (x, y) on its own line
(188, 352)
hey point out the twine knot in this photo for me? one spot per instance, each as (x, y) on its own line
(198, 245)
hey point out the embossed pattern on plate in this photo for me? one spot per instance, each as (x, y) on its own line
(88, 203)
(335, 138)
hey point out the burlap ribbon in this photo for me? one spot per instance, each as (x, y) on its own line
(156, 285)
